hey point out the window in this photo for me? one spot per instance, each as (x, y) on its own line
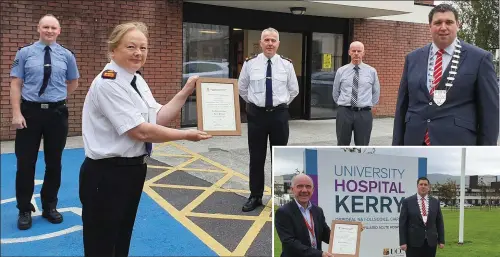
(206, 54)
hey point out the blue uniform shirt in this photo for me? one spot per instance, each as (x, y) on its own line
(28, 66)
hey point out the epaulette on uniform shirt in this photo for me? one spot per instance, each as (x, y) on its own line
(109, 74)
(68, 49)
(286, 58)
(251, 57)
(24, 46)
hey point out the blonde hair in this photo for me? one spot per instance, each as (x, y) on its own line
(120, 30)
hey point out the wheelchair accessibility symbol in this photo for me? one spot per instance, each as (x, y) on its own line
(38, 212)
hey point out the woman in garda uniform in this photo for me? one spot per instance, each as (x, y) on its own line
(121, 119)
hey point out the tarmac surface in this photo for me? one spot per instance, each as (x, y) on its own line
(198, 187)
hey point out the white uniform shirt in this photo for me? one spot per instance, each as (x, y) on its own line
(111, 108)
(252, 80)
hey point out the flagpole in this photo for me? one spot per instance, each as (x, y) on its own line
(462, 200)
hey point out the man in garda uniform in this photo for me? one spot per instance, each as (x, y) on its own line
(356, 90)
(43, 74)
(268, 84)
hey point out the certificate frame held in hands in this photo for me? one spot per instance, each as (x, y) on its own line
(345, 238)
(218, 106)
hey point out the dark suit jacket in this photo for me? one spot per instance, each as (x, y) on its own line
(413, 231)
(468, 117)
(293, 233)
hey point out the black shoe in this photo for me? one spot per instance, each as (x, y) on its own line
(252, 203)
(24, 220)
(53, 216)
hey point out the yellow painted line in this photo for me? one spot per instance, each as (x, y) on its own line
(199, 188)
(172, 155)
(203, 170)
(225, 190)
(267, 190)
(205, 194)
(201, 157)
(218, 248)
(252, 233)
(181, 216)
(160, 176)
(226, 216)
(178, 186)
(218, 165)
(158, 146)
(172, 169)
(237, 174)
(159, 167)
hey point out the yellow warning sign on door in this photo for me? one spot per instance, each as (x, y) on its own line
(327, 61)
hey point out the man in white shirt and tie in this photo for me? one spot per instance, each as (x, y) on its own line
(356, 89)
(268, 84)
(421, 226)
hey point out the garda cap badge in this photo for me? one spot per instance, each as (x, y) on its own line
(109, 74)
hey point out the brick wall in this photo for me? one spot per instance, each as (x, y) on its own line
(85, 27)
(386, 45)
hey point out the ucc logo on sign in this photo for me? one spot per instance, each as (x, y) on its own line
(393, 252)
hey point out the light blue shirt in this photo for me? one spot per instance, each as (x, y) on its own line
(28, 66)
(432, 58)
(306, 213)
(368, 85)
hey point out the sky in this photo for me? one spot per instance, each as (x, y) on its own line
(479, 160)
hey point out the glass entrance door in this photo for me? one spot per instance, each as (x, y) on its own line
(206, 54)
(326, 59)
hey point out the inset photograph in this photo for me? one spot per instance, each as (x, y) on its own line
(386, 201)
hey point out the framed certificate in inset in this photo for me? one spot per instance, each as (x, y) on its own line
(344, 238)
(218, 106)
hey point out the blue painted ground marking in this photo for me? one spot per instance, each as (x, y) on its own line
(156, 232)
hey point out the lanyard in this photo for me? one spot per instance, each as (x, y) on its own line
(311, 228)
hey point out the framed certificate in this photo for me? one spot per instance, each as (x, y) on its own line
(218, 106)
(344, 238)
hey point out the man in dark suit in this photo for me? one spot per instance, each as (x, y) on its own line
(301, 225)
(448, 93)
(421, 226)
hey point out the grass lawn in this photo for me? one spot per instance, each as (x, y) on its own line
(481, 234)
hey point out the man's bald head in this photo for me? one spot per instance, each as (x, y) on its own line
(357, 44)
(49, 17)
(356, 51)
(301, 177)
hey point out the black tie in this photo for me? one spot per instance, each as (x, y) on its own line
(135, 85)
(269, 85)
(149, 146)
(47, 70)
